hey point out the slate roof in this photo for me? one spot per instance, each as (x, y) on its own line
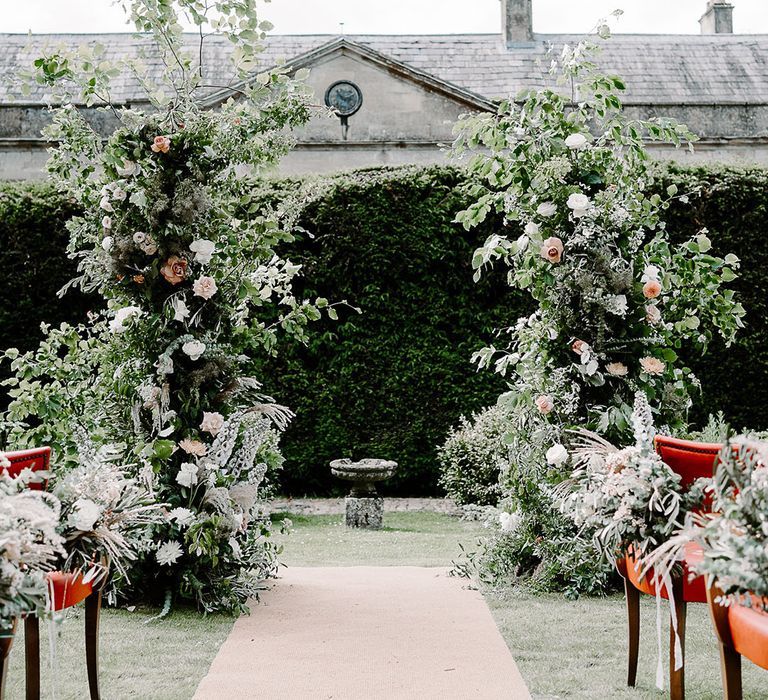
(658, 69)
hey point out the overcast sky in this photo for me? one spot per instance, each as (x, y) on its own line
(402, 16)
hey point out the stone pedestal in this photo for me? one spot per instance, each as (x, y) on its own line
(364, 511)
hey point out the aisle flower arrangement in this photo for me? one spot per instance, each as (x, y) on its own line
(568, 173)
(195, 288)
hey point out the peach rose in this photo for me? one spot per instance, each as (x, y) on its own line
(652, 365)
(579, 347)
(212, 423)
(174, 270)
(651, 289)
(545, 404)
(617, 369)
(161, 144)
(552, 250)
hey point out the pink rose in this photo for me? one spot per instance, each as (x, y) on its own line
(552, 250)
(545, 404)
(174, 270)
(579, 347)
(212, 423)
(651, 289)
(204, 287)
(161, 144)
(652, 314)
(652, 365)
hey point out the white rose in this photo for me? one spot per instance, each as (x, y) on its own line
(85, 514)
(106, 244)
(203, 250)
(205, 287)
(578, 202)
(122, 316)
(546, 209)
(576, 141)
(106, 222)
(187, 475)
(139, 238)
(651, 272)
(212, 423)
(105, 204)
(531, 229)
(119, 194)
(557, 455)
(194, 349)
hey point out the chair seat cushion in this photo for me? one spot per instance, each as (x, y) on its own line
(749, 631)
(67, 589)
(694, 590)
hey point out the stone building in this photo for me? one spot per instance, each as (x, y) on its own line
(404, 93)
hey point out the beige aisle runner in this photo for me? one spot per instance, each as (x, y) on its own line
(365, 633)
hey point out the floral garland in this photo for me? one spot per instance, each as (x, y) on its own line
(568, 173)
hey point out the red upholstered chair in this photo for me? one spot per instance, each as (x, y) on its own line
(691, 460)
(741, 631)
(66, 590)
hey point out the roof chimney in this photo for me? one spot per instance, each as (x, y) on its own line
(718, 19)
(517, 21)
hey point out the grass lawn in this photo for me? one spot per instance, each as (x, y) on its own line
(577, 649)
(162, 660)
(407, 539)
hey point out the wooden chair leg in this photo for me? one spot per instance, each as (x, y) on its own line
(677, 677)
(730, 669)
(6, 642)
(633, 625)
(32, 656)
(92, 615)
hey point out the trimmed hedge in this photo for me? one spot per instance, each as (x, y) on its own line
(392, 381)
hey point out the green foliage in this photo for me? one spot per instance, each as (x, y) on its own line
(375, 383)
(472, 457)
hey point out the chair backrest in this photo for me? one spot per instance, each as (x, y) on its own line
(691, 460)
(36, 459)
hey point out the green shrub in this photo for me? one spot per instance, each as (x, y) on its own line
(392, 381)
(473, 456)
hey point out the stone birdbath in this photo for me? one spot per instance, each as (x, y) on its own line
(364, 507)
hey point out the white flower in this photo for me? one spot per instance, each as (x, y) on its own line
(85, 514)
(106, 205)
(576, 141)
(212, 422)
(531, 229)
(578, 202)
(508, 521)
(168, 553)
(139, 238)
(203, 250)
(617, 369)
(205, 287)
(557, 455)
(106, 244)
(180, 310)
(617, 304)
(122, 316)
(127, 169)
(119, 193)
(183, 516)
(651, 272)
(106, 222)
(652, 314)
(187, 475)
(194, 349)
(546, 209)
